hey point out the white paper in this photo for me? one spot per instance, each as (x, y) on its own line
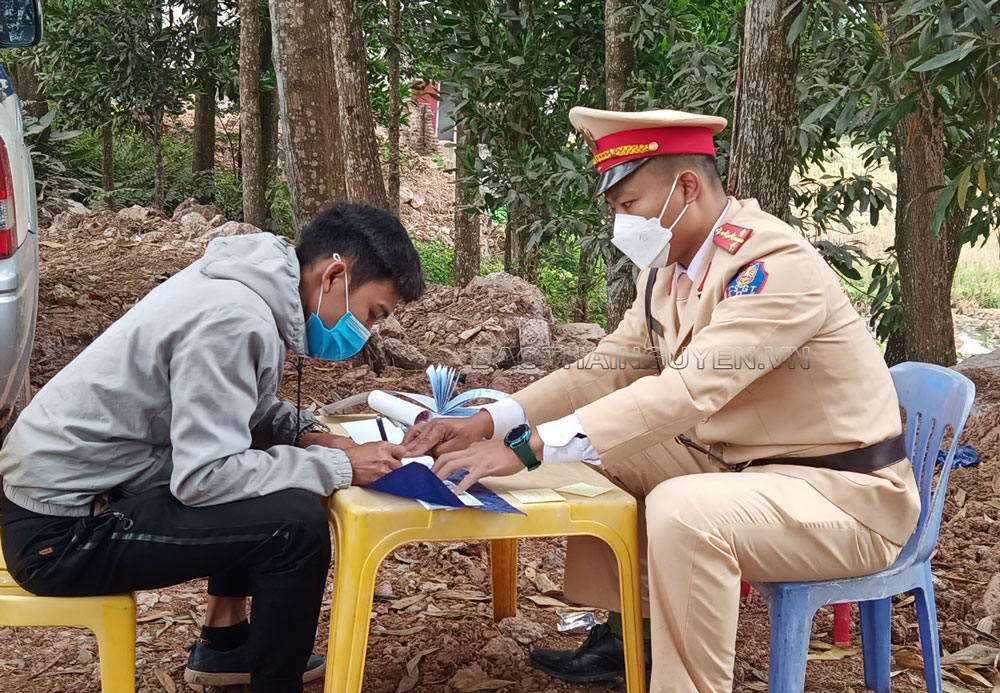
(396, 408)
(366, 431)
(467, 498)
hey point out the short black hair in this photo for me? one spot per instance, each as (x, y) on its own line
(374, 242)
(704, 164)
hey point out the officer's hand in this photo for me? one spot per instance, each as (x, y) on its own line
(442, 435)
(485, 458)
(372, 461)
(327, 440)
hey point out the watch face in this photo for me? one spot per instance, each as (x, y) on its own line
(517, 434)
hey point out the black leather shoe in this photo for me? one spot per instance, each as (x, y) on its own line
(208, 667)
(601, 657)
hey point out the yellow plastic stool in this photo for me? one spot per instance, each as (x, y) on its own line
(112, 619)
(368, 526)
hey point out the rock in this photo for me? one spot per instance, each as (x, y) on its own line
(154, 237)
(989, 604)
(384, 590)
(67, 220)
(984, 370)
(217, 221)
(502, 647)
(418, 201)
(405, 194)
(534, 339)
(501, 282)
(521, 629)
(74, 207)
(194, 224)
(137, 213)
(390, 327)
(63, 295)
(230, 228)
(208, 211)
(402, 355)
(580, 332)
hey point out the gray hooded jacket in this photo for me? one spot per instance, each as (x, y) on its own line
(179, 391)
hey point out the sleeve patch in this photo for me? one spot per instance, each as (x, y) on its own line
(731, 237)
(750, 280)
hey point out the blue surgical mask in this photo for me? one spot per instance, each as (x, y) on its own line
(341, 341)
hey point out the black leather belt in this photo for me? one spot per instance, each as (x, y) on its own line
(861, 460)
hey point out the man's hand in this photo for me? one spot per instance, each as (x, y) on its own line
(327, 440)
(442, 435)
(485, 458)
(372, 461)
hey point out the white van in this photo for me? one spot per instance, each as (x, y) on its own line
(20, 26)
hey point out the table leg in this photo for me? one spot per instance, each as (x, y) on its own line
(503, 564)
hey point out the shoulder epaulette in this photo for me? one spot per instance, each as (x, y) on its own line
(731, 237)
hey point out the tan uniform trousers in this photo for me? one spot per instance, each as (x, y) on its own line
(702, 533)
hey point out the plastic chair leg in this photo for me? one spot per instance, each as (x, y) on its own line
(116, 649)
(842, 624)
(876, 650)
(350, 612)
(929, 643)
(791, 625)
(503, 568)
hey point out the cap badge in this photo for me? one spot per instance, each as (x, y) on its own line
(588, 137)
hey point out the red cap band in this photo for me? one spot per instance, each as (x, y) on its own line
(637, 144)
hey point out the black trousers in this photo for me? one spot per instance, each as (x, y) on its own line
(274, 548)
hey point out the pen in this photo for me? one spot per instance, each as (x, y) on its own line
(381, 428)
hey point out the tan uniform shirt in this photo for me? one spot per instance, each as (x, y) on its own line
(766, 358)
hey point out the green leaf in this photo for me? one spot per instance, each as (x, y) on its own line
(982, 14)
(516, 60)
(946, 58)
(944, 199)
(963, 186)
(798, 25)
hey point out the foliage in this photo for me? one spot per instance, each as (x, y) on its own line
(114, 62)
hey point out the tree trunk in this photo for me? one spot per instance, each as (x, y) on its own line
(108, 164)
(31, 93)
(309, 101)
(269, 119)
(157, 131)
(203, 149)
(251, 144)
(395, 110)
(619, 64)
(360, 153)
(582, 308)
(926, 262)
(763, 148)
(467, 251)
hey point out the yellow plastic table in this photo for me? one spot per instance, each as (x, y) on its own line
(112, 619)
(368, 526)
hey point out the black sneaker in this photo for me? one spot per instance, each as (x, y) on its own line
(601, 657)
(208, 667)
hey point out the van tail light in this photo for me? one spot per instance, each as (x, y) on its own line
(8, 225)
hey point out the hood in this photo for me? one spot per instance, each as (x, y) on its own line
(268, 266)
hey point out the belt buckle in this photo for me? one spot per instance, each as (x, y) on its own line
(718, 459)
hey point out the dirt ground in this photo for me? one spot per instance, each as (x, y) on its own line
(449, 641)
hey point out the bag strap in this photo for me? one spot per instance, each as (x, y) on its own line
(650, 281)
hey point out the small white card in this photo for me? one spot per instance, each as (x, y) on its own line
(366, 431)
(536, 495)
(584, 489)
(467, 498)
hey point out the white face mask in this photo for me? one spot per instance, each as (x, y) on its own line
(644, 240)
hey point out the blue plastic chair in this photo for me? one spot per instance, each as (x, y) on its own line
(936, 400)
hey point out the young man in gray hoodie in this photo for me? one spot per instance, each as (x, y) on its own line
(162, 454)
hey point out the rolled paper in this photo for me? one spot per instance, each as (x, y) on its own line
(398, 409)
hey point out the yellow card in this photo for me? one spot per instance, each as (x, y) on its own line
(536, 495)
(584, 489)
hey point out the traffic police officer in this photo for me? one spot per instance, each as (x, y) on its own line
(765, 441)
